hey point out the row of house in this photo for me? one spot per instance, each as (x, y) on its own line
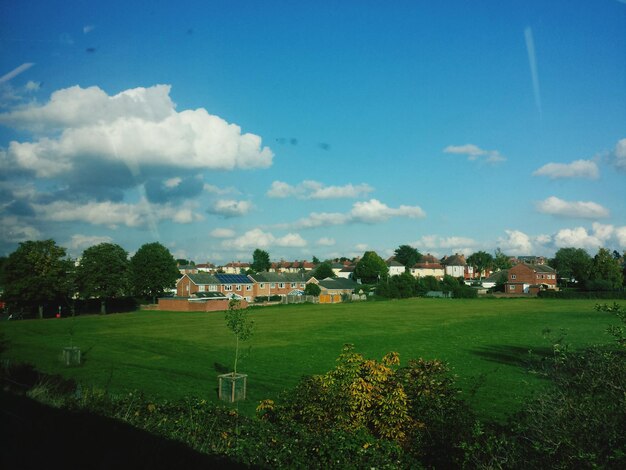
(265, 284)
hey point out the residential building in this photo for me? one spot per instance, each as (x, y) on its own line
(428, 266)
(395, 268)
(526, 278)
(272, 283)
(231, 285)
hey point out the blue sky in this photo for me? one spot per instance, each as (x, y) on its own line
(314, 128)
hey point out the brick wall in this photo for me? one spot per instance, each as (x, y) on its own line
(183, 305)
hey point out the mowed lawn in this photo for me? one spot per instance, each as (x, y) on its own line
(168, 354)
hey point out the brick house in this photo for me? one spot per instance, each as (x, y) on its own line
(526, 278)
(428, 266)
(272, 283)
(456, 266)
(231, 285)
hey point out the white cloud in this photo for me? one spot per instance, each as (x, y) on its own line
(316, 190)
(222, 233)
(575, 209)
(256, 238)
(139, 126)
(369, 212)
(361, 246)
(516, 243)
(620, 154)
(173, 182)
(600, 235)
(32, 86)
(230, 208)
(577, 169)
(13, 229)
(437, 245)
(80, 242)
(325, 241)
(114, 214)
(374, 211)
(474, 152)
(209, 188)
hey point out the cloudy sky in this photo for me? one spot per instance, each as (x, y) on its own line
(314, 128)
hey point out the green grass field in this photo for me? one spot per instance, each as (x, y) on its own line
(170, 354)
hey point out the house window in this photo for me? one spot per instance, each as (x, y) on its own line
(248, 287)
(302, 286)
(262, 286)
(200, 288)
(273, 285)
(213, 288)
(513, 276)
(281, 285)
(228, 287)
(238, 287)
(294, 285)
(511, 287)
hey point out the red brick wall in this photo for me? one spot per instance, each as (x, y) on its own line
(183, 305)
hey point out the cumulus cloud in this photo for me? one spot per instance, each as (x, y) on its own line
(81, 242)
(257, 238)
(13, 229)
(441, 245)
(369, 212)
(577, 169)
(230, 208)
(516, 243)
(172, 189)
(361, 246)
(473, 152)
(316, 190)
(139, 127)
(325, 241)
(600, 235)
(574, 209)
(212, 189)
(620, 155)
(114, 214)
(222, 233)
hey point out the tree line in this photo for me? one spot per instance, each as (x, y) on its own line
(40, 273)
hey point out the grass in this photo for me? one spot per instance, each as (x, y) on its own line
(174, 354)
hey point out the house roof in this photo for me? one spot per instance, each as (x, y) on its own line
(428, 258)
(338, 283)
(495, 277)
(427, 265)
(538, 268)
(393, 262)
(210, 295)
(233, 279)
(281, 277)
(202, 278)
(454, 260)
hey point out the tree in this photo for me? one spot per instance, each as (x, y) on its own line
(152, 270)
(407, 255)
(312, 289)
(103, 273)
(260, 261)
(37, 273)
(480, 261)
(315, 260)
(371, 268)
(501, 261)
(606, 269)
(572, 263)
(238, 322)
(184, 262)
(324, 270)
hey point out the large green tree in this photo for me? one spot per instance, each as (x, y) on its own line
(37, 273)
(371, 268)
(480, 261)
(260, 261)
(606, 269)
(103, 273)
(152, 270)
(407, 255)
(323, 271)
(501, 261)
(572, 263)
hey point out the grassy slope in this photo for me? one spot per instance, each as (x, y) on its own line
(170, 355)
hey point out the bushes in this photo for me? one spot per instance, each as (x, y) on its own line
(577, 294)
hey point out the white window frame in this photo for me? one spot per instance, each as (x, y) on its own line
(248, 287)
(212, 288)
(228, 287)
(513, 276)
(238, 287)
(261, 286)
(281, 285)
(294, 285)
(273, 285)
(201, 288)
